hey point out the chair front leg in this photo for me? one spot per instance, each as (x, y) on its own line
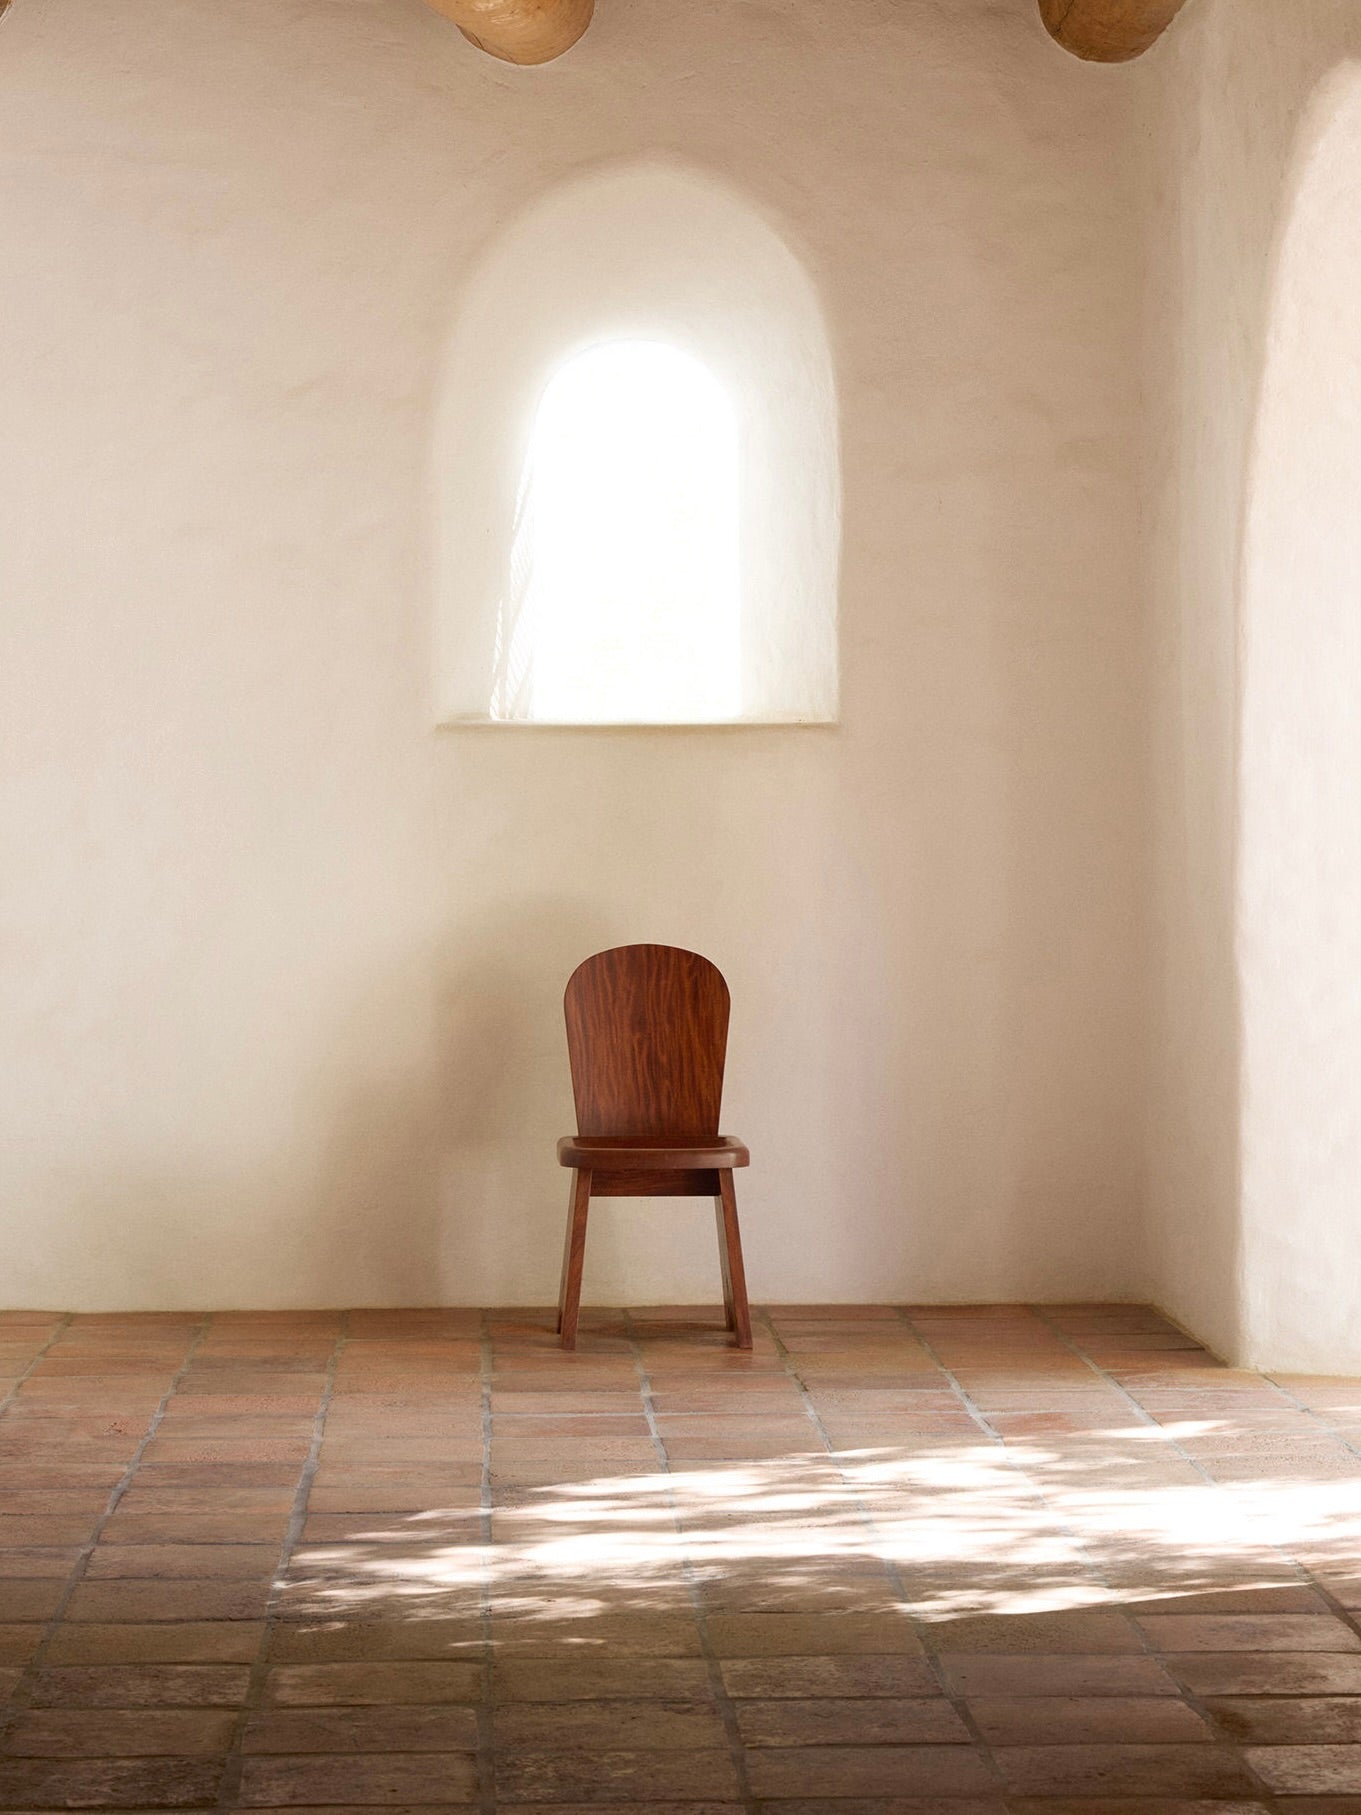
(573, 1258)
(730, 1254)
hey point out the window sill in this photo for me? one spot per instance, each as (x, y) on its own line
(576, 724)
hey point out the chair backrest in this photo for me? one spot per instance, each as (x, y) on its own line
(647, 1030)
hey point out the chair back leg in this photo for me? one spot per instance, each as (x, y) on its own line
(573, 1258)
(730, 1254)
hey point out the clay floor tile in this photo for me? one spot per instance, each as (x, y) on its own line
(210, 1383)
(1247, 1632)
(147, 1494)
(117, 1783)
(1269, 1673)
(367, 1684)
(868, 1771)
(215, 1484)
(108, 1602)
(822, 1678)
(38, 1531)
(1068, 1720)
(53, 1503)
(411, 1388)
(1308, 1770)
(567, 1403)
(909, 1395)
(187, 1405)
(772, 1387)
(611, 1636)
(127, 1733)
(591, 1679)
(572, 1458)
(318, 1780)
(192, 1454)
(393, 1498)
(30, 1598)
(564, 1775)
(791, 1423)
(1289, 1597)
(350, 1730)
(563, 1427)
(1296, 1720)
(1039, 1675)
(1123, 1770)
(410, 1454)
(457, 1527)
(55, 1366)
(129, 1525)
(19, 1641)
(848, 1721)
(378, 1641)
(909, 1431)
(166, 1642)
(136, 1685)
(809, 1634)
(805, 1589)
(572, 1470)
(620, 1726)
(232, 1561)
(1007, 1634)
(77, 1392)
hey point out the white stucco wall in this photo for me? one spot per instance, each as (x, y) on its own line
(282, 964)
(1255, 454)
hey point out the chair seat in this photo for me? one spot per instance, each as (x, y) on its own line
(649, 1153)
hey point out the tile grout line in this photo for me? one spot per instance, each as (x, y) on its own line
(21, 1697)
(1197, 1703)
(1353, 1448)
(66, 1320)
(718, 1689)
(892, 1573)
(486, 1708)
(229, 1785)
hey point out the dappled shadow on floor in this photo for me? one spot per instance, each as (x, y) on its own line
(1007, 1555)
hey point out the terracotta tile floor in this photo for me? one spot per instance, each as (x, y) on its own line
(1040, 1561)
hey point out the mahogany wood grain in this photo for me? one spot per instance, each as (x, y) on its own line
(672, 1182)
(642, 1151)
(573, 1258)
(647, 1035)
(730, 1255)
(647, 1030)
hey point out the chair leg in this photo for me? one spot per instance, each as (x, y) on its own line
(573, 1258)
(730, 1253)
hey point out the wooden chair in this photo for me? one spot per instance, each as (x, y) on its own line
(647, 1031)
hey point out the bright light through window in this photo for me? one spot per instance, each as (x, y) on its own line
(626, 551)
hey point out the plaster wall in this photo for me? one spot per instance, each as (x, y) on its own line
(1253, 399)
(282, 963)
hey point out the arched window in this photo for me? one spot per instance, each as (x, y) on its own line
(636, 480)
(628, 593)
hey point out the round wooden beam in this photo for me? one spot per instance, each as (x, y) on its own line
(519, 31)
(1108, 31)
